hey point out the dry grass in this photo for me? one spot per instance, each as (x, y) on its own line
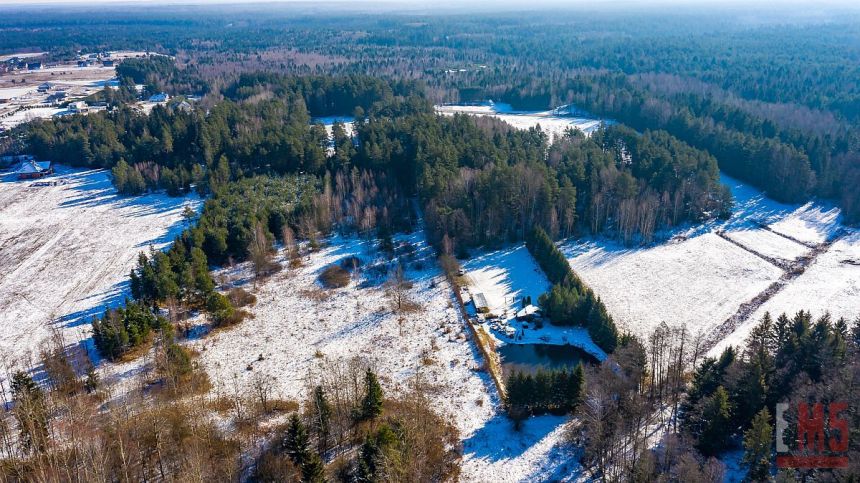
(240, 297)
(334, 276)
(314, 294)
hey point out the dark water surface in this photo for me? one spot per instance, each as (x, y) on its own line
(531, 357)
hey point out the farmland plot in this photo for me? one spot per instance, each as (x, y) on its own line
(698, 282)
(66, 251)
(706, 274)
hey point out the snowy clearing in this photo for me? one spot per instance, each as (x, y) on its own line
(554, 123)
(66, 251)
(297, 327)
(504, 277)
(328, 122)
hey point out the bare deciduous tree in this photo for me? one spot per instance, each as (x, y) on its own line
(260, 251)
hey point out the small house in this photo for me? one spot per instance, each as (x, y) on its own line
(34, 169)
(182, 107)
(480, 301)
(527, 313)
(83, 63)
(79, 106)
(56, 97)
(160, 97)
(34, 65)
(108, 63)
(45, 87)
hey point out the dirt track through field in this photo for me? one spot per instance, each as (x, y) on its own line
(746, 309)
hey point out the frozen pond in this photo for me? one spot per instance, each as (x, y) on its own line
(529, 358)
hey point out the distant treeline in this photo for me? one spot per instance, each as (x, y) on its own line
(480, 181)
(788, 163)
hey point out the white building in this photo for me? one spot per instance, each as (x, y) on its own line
(79, 106)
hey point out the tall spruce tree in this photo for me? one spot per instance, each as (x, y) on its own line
(757, 444)
(320, 416)
(715, 428)
(371, 405)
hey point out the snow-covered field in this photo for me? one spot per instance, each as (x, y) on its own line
(11, 92)
(30, 115)
(298, 327)
(554, 123)
(698, 282)
(830, 284)
(769, 244)
(698, 279)
(66, 251)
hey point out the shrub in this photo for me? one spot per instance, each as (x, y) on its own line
(350, 263)
(334, 276)
(240, 297)
(222, 312)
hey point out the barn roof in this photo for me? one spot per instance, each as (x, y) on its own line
(527, 311)
(480, 301)
(30, 167)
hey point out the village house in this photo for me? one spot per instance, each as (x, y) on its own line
(56, 97)
(160, 97)
(32, 169)
(527, 313)
(79, 106)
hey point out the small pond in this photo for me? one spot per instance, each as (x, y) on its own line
(531, 357)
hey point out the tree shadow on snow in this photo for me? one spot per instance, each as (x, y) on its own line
(94, 188)
(498, 441)
(97, 304)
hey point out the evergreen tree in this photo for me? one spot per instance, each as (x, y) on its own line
(714, 428)
(601, 328)
(313, 470)
(296, 442)
(371, 404)
(320, 416)
(31, 412)
(576, 387)
(368, 458)
(757, 445)
(91, 384)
